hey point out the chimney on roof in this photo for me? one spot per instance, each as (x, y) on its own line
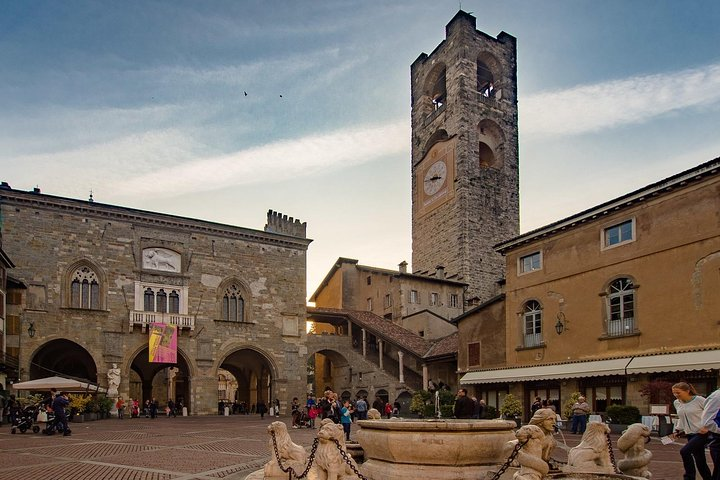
(439, 271)
(5, 186)
(36, 189)
(403, 266)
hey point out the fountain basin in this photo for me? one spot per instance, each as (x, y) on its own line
(439, 449)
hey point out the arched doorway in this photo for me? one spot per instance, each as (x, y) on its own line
(329, 369)
(253, 377)
(64, 358)
(160, 381)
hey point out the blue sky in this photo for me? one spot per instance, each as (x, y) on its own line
(143, 102)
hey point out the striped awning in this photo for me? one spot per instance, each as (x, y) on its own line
(671, 362)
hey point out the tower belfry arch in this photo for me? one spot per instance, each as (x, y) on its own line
(465, 155)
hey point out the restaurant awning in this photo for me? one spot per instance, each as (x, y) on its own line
(676, 362)
(595, 368)
(671, 362)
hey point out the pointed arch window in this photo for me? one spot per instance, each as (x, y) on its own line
(532, 324)
(621, 307)
(233, 305)
(85, 289)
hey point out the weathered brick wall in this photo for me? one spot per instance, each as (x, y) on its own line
(46, 235)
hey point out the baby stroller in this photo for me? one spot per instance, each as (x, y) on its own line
(301, 419)
(53, 426)
(24, 420)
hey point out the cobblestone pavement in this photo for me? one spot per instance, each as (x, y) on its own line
(207, 448)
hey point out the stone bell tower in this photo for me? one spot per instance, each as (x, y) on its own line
(465, 155)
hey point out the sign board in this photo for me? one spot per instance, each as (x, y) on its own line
(657, 409)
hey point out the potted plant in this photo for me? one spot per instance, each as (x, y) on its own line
(511, 409)
(621, 416)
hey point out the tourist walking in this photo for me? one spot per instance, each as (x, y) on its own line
(346, 419)
(153, 408)
(580, 410)
(361, 408)
(120, 406)
(60, 402)
(171, 408)
(261, 408)
(689, 407)
(711, 425)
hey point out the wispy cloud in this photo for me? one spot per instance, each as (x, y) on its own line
(272, 163)
(589, 108)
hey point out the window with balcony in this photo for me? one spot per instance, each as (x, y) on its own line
(532, 324)
(619, 234)
(161, 300)
(530, 263)
(621, 307)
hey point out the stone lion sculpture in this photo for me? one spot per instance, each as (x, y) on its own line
(329, 463)
(632, 444)
(291, 454)
(592, 455)
(374, 414)
(530, 456)
(545, 419)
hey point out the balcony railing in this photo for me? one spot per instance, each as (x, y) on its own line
(146, 318)
(533, 340)
(623, 326)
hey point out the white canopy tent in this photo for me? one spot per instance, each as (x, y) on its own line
(59, 383)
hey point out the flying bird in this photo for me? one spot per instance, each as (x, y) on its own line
(245, 93)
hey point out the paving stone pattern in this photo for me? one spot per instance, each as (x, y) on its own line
(188, 448)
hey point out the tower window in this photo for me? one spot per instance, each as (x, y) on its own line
(485, 80)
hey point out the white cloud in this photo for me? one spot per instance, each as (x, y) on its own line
(588, 108)
(271, 163)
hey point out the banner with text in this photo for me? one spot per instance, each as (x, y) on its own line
(163, 343)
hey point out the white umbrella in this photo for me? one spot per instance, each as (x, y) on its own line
(59, 383)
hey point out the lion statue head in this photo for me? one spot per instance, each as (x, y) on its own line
(592, 455)
(291, 454)
(632, 444)
(328, 458)
(374, 414)
(634, 438)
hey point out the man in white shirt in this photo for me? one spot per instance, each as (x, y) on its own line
(710, 419)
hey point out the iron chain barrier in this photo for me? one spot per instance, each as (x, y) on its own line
(291, 471)
(510, 459)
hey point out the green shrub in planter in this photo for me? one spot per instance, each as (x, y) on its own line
(429, 411)
(447, 411)
(490, 412)
(623, 414)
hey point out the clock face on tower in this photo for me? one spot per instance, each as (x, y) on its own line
(435, 177)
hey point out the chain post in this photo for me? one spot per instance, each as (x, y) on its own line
(348, 460)
(612, 454)
(510, 459)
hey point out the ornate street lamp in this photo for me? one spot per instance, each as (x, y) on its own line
(31, 330)
(561, 324)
